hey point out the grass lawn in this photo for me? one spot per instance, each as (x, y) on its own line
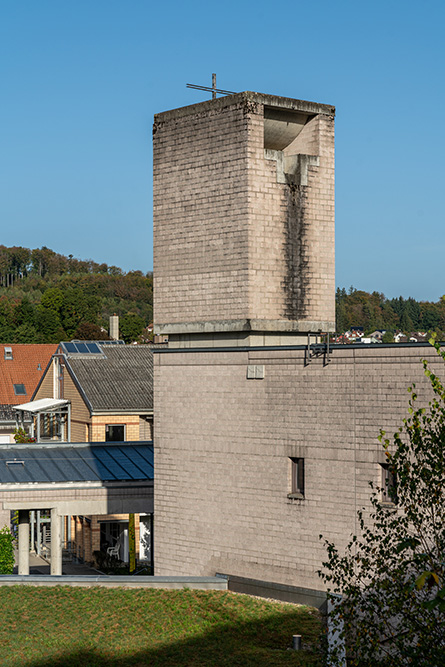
(92, 627)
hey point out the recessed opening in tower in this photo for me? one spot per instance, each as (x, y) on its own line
(282, 126)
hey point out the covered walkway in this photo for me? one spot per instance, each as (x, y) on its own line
(38, 566)
(79, 478)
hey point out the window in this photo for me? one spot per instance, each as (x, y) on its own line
(8, 353)
(115, 432)
(297, 478)
(388, 485)
(19, 390)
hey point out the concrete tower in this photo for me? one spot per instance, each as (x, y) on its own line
(244, 221)
(261, 442)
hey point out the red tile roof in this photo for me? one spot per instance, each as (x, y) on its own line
(24, 369)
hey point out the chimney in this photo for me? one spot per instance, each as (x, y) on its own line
(114, 327)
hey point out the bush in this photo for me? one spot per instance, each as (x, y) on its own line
(6, 551)
(391, 577)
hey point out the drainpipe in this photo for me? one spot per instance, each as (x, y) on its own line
(69, 423)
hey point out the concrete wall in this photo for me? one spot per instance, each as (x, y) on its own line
(222, 448)
(243, 239)
(200, 215)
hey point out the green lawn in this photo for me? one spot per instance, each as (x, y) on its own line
(97, 626)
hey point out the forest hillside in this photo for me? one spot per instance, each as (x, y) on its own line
(46, 297)
(374, 311)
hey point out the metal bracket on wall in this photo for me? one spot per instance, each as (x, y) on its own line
(317, 349)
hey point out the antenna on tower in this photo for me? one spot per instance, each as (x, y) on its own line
(214, 90)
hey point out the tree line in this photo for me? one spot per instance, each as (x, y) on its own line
(17, 262)
(374, 311)
(46, 297)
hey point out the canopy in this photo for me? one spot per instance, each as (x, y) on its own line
(42, 405)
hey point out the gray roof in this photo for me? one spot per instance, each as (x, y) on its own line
(7, 413)
(80, 462)
(120, 379)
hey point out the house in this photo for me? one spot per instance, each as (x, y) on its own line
(377, 335)
(110, 389)
(21, 369)
(419, 337)
(264, 437)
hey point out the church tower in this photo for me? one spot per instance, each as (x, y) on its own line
(244, 221)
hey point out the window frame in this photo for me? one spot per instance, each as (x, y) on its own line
(388, 480)
(297, 477)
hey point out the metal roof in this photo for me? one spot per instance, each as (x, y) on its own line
(78, 462)
(119, 379)
(43, 404)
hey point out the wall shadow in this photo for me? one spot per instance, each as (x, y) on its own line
(267, 642)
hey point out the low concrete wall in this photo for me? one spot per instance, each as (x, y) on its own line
(200, 583)
(269, 589)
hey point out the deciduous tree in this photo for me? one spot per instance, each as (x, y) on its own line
(131, 326)
(391, 577)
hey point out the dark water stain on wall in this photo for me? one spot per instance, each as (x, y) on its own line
(296, 281)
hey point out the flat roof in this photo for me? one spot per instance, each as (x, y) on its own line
(76, 462)
(274, 101)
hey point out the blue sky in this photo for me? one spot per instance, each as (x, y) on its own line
(80, 82)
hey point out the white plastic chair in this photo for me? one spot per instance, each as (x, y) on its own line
(114, 551)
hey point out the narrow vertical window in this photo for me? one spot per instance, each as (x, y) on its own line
(297, 478)
(388, 484)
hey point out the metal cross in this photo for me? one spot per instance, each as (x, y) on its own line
(213, 89)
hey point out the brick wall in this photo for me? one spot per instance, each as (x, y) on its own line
(222, 448)
(99, 422)
(230, 241)
(200, 196)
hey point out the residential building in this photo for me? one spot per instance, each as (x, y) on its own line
(21, 369)
(110, 388)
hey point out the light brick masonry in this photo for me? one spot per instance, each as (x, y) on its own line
(243, 239)
(244, 247)
(222, 448)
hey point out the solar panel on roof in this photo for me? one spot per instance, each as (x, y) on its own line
(79, 347)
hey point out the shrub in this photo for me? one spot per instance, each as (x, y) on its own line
(6, 551)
